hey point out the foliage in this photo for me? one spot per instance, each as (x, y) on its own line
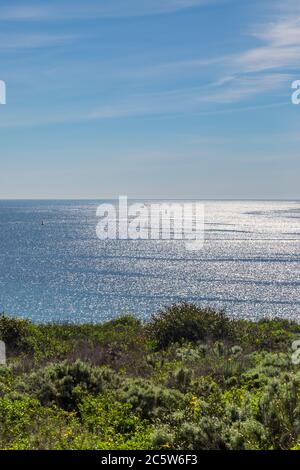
(65, 384)
(190, 379)
(15, 333)
(188, 322)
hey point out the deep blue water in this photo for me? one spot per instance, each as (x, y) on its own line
(250, 263)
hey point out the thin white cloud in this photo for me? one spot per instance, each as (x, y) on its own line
(10, 42)
(247, 86)
(195, 99)
(66, 10)
(262, 70)
(283, 33)
(274, 59)
(164, 104)
(280, 47)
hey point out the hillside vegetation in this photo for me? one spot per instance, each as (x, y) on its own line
(190, 378)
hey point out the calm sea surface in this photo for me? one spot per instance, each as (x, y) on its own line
(250, 263)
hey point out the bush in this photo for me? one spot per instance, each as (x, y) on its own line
(265, 334)
(206, 434)
(111, 420)
(182, 379)
(162, 439)
(279, 411)
(248, 435)
(190, 379)
(66, 384)
(149, 400)
(15, 415)
(186, 322)
(15, 333)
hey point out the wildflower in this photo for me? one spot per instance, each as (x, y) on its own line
(166, 446)
(194, 401)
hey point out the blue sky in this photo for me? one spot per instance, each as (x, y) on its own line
(149, 98)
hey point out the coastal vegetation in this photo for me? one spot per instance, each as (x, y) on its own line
(189, 378)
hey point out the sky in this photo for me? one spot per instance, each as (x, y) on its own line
(149, 99)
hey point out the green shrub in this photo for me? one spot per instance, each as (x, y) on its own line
(15, 333)
(268, 335)
(190, 379)
(206, 434)
(182, 379)
(149, 400)
(279, 411)
(15, 416)
(6, 379)
(247, 435)
(110, 419)
(162, 438)
(186, 322)
(66, 384)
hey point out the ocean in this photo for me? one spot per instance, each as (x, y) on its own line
(60, 271)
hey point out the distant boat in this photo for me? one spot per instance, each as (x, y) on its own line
(42, 223)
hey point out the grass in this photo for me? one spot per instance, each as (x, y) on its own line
(190, 378)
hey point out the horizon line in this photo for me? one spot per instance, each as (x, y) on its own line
(290, 199)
